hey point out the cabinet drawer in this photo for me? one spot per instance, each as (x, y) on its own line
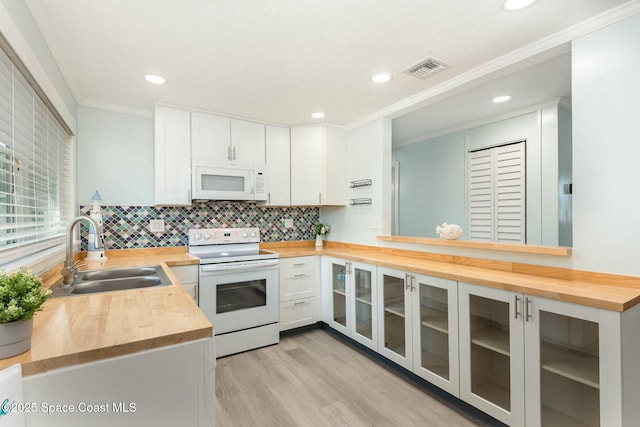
(294, 314)
(292, 266)
(186, 273)
(296, 287)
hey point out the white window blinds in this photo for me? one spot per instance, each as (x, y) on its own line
(35, 164)
(496, 196)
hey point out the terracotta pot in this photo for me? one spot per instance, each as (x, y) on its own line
(15, 337)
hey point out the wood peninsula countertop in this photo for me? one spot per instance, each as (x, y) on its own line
(85, 328)
(601, 290)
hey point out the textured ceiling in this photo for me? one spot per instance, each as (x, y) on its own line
(280, 60)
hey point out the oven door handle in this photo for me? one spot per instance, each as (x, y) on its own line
(239, 266)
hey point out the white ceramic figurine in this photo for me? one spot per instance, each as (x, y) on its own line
(449, 231)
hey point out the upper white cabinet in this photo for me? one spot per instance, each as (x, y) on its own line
(211, 138)
(223, 139)
(172, 156)
(278, 166)
(318, 166)
(247, 142)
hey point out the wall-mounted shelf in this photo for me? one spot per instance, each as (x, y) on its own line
(363, 201)
(360, 183)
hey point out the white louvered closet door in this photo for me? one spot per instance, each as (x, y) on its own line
(496, 196)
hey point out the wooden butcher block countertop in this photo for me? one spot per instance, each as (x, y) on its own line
(607, 291)
(85, 328)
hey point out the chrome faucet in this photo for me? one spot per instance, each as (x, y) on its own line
(69, 271)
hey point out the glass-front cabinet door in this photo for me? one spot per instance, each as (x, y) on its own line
(435, 331)
(563, 364)
(338, 298)
(492, 351)
(363, 277)
(394, 296)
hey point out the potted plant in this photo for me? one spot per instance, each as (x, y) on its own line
(21, 295)
(320, 230)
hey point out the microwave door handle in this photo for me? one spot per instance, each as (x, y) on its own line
(252, 180)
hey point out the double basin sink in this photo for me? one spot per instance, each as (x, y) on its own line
(114, 279)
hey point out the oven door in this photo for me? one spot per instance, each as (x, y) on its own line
(239, 295)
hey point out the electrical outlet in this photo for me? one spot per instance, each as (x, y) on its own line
(374, 223)
(156, 226)
(288, 223)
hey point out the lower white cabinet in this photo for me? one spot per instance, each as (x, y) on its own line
(418, 325)
(532, 361)
(299, 292)
(188, 277)
(167, 386)
(351, 295)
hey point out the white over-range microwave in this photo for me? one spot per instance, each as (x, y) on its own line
(213, 180)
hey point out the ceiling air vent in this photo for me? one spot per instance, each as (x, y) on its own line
(425, 68)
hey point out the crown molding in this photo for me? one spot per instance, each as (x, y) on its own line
(92, 103)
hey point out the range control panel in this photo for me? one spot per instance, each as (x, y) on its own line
(221, 236)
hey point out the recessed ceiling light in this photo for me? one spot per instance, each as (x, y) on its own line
(317, 115)
(501, 98)
(381, 78)
(514, 5)
(155, 79)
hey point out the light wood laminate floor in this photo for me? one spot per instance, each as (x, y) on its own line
(314, 379)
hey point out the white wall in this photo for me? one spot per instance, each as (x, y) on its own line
(606, 149)
(368, 156)
(431, 185)
(115, 156)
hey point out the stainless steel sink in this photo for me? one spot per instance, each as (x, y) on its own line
(115, 279)
(117, 273)
(119, 284)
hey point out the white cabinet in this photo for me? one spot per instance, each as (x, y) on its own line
(130, 390)
(248, 142)
(351, 299)
(531, 361)
(222, 139)
(187, 275)
(172, 156)
(299, 292)
(418, 325)
(211, 137)
(318, 166)
(278, 166)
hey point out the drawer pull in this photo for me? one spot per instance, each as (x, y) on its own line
(300, 263)
(299, 303)
(300, 275)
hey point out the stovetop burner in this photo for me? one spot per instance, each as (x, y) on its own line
(217, 245)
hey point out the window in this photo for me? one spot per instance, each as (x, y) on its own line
(496, 196)
(35, 165)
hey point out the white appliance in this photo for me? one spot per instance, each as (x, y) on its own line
(238, 287)
(213, 180)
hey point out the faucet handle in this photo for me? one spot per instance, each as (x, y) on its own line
(78, 264)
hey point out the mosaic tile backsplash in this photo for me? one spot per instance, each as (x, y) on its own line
(127, 227)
